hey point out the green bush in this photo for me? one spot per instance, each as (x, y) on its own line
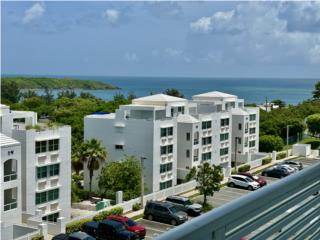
(244, 168)
(76, 225)
(281, 155)
(269, 143)
(207, 207)
(37, 237)
(136, 207)
(104, 214)
(233, 171)
(266, 160)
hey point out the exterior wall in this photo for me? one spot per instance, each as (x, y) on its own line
(12, 216)
(136, 136)
(183, 145)
(301, 150)
(30, 161)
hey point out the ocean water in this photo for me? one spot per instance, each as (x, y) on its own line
(252, 90)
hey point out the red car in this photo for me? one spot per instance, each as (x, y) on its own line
(130, 225)
(262, 182)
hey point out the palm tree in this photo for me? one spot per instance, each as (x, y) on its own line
(77, 159)
(93, 154)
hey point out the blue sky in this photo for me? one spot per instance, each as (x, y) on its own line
(205, 39)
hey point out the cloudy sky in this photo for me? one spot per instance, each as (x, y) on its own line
(207, 39)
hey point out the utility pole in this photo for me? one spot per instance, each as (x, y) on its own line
(235, 153)
(288, 126)
(142, 180)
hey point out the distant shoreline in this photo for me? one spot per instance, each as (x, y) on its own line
(40, 83)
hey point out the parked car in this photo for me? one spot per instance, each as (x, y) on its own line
(290, 169)
(184, 204)
(73, 236)
(108, 230)
(262, 182)
(297, 164)
(130, 225)
(164, 212)
(275, 172)
(242, 181)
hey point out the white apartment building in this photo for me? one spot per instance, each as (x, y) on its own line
(43, 165)
(171, 134)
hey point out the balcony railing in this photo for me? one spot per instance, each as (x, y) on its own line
(10, 177)
(289, 207)
(10, 206)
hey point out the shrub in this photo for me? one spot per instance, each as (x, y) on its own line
(244, 168)
(136, 207)
(207, 207)
(269, 143)
(104, 214)
(281, 155)
(37, 237)
(233, 171)
(266, 160)
(76, 225)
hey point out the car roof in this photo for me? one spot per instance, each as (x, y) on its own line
(237, 175)
(118, 217)
(165, 204)
(79, 235)
(111, 222)
(178, 198)
(61, 236)
(245, 174)
(92, 224)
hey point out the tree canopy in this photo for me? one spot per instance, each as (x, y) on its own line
(269, 143)
(316, 92)
(313, 123)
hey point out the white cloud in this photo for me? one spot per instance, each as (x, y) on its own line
(173, 52)
(202, 25)
(314, 53)
(36, 11)
(131, 57)
(112, 16)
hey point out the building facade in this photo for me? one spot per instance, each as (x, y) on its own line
(43, 165)
(172, 134)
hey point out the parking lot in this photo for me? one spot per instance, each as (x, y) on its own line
(225, 195)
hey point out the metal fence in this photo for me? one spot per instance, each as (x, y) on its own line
(287, 208)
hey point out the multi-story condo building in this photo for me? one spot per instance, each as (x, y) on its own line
(172, 134)
(43, 166)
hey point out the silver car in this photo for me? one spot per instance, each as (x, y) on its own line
(185, 205)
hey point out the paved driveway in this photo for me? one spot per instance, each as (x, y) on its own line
(154, 228)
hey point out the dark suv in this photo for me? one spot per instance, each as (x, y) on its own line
(275, 172)
(164, 212)
(185, 205)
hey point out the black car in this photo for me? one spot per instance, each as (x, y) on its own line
(275, 172)
(294, 164)
(108, 230)
(164, 212)
(73, 236)
(185, 205)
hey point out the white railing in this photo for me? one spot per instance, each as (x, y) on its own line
(287, 207)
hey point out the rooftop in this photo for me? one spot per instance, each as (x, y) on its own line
(214, 94)
(7, 141)
(157, 99)
(185, 118)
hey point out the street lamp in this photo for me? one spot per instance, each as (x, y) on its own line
(235, 152)
(142, 179)
(288, 126)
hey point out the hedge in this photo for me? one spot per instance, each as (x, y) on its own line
(104, 214)
(281, 155)
(244, 168)
(77, 224)
(37, 237)
(266, 160)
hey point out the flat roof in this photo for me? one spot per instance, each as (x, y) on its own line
(157, 99)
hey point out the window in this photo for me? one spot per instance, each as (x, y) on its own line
(188, 136)
(42, 172)
(51, 218)
(206, 156)
(166, 149)
(167, 167)
(224, 136)
(167, 184)
(247, 127)
(188, 153)
(224, 122)
(246, 142)
(196, 138)
(41, 197)
(224, 151)
(170, 148)
(252, 143)
(206, 140)
(41, 146)
(252, 130)
(240, 126)
(172, 112)
(47, 196)
(252, 117)
(54, 145)
(239, 140)
(206, 125)
(54, 169)
(181, 110)
(166, 132)
(10, 199)
(195, 155)
(118, 146)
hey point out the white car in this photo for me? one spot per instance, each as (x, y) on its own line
(242, 181)
(289, 168)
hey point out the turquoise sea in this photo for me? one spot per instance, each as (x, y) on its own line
(253, 90)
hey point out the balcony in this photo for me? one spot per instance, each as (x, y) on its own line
(287, 209)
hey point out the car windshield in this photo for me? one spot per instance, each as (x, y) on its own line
(173, 209)
(249, 179)
(131, 223)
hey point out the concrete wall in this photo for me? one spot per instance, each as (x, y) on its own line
(301, 150)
